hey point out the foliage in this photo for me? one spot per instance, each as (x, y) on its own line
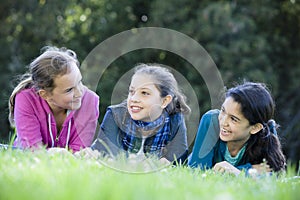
(35, 175)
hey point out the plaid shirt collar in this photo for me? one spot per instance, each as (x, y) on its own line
(158, 135)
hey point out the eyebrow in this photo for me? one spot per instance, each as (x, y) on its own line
(71, 87)
(140, 88)
(232, 115)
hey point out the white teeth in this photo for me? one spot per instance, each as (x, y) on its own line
(225, 131)
(135, 108)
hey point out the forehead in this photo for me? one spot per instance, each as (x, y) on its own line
(232, 107)
(142, 81)
(69, 79)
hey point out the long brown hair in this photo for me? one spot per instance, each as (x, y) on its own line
(257, 105)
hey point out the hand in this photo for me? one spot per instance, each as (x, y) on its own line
(57, 150)
(225, 166)
(164, 161)
(262, 168)
(87, 153)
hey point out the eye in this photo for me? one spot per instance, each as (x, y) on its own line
(69, 90)
(131, 92)
(145, 93)
(234, 119)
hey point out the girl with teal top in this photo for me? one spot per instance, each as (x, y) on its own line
(240, 136)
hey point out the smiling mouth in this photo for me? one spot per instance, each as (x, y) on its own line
(76, 101)
(224, 132)
(135, 108)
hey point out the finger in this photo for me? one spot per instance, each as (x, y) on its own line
(218, 168)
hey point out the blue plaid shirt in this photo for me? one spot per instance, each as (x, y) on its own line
(159, 135)
(119, 133)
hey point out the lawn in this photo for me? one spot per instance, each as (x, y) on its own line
(40, 175)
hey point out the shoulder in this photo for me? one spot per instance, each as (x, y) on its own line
(89, 108)
(28, 97)
(28, 100)
(118, 108)
(119, 112)
(27, 93)
(117, 115)
(89, 94)
(177, 121)
(211, 114)
(177, 117)
(210, 118)
(90, 100)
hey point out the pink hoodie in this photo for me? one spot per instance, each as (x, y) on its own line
(35, 122)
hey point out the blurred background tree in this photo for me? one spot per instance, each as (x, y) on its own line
(252, 40)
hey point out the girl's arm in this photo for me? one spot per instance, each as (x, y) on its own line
(262, 168)
(225, 166)
(107, 140)
(176, 149)
(207, 136)
(27, 123)
(85, 122)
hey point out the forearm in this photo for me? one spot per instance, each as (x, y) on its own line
(176, 149)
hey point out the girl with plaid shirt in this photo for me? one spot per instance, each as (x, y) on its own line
(150, 121)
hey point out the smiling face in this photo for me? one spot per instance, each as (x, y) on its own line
(68, 91)
(144, 101)
(234, 127)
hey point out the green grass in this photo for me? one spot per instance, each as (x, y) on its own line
(39, 175)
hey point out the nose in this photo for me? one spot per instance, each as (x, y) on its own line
(134, 97)
(78, 90)
(223, 120)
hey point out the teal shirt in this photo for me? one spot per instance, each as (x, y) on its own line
(236, 159)
(208, 148)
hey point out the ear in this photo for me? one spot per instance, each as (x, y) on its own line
(43, 93)
(167, 99)
(256, 128)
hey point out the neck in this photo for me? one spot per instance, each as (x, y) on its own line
(234, 148)
(59, 111)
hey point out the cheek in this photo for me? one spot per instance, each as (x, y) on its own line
(157, 108)
(219, 117)
(154, 107)
(241, 131)
(68, 98)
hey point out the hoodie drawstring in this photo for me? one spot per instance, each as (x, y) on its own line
(51, 134)
(50, 130)
(68, 136)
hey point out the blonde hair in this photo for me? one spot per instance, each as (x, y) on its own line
(167, 85)
(42, 71)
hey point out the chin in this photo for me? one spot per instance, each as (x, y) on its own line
(75, 107)
(223, 138)
(135, 117)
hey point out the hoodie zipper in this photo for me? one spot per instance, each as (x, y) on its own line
(57, 136)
